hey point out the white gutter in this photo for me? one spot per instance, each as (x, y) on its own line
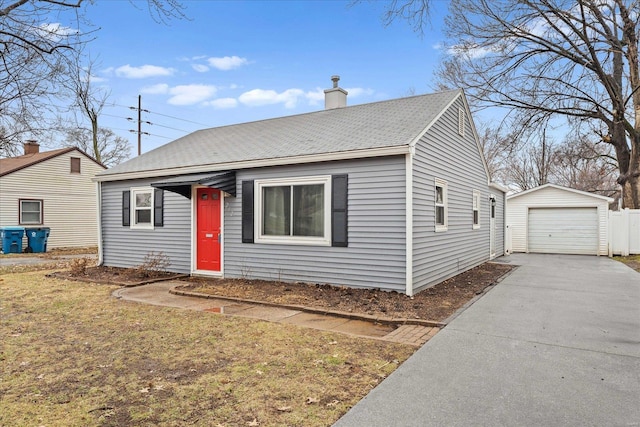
(311, 158)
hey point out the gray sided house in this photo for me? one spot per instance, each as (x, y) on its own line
(391, 195)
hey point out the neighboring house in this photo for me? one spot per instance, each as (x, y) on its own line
(51, 189)
(391, 195)
(555, 219)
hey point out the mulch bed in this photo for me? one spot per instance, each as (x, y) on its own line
(434, 304)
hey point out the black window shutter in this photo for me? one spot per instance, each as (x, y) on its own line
(247, 211)
(126, 209)
(339, 191)
(158, 207)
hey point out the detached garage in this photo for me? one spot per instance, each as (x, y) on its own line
(558, 220)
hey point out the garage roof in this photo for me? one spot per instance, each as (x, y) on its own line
(559, 187)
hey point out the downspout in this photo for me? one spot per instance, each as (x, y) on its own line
(409, 220)
(99, 213)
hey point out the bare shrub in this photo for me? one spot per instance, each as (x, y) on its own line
(78, 266)
(154, 262)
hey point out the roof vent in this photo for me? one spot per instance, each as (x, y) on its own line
(336, 97)
(31, 147)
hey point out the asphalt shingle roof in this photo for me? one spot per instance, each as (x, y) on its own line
(12, 164)
(367, 126)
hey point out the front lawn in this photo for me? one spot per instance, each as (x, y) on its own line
(71, 355)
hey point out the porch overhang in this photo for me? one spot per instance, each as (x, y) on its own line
(181, 184)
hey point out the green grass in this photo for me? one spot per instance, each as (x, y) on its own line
(72, 355)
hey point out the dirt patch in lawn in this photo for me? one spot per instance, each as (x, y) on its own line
(632, 261)
(435, 304)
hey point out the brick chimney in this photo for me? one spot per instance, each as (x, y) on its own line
(31, 147)
(336, 97)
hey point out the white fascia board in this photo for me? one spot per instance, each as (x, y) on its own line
(559, 187)
(283, 161)
(498, 187)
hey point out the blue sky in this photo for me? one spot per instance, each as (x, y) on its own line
(233, 61)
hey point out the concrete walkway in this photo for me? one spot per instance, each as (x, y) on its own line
(158, 294)
(556, 343)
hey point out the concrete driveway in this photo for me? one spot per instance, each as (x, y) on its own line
(557, 343)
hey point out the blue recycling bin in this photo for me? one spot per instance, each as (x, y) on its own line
(11, 239)
(37, 239)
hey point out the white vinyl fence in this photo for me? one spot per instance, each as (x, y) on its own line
(624, 232)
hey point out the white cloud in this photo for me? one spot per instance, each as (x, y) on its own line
(191, 94)
(55, 32)
(259, 97)
(356, 92)
(200, 68)
(316, 96)
(227, 62)
(158, 89)
(144, 71)
(222, 103)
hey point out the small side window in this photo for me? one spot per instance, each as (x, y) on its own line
(30, 212)
(441, 204)
(75, 165)
(142, 208)
(476, 209)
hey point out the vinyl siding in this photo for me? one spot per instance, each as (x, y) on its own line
(375, 256)
(518, 208)
(69, 200)
(442, 153)
(127, 247)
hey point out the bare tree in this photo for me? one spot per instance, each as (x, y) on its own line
(576, 59)
(38, 40)
(497, 147)
(531, 165)
(103, 144)
(89, 99)
(586, 165)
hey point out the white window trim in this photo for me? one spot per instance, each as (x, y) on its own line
(476, 201)
(441, 183)
(293, 240)
(132, 205)
(21, 211)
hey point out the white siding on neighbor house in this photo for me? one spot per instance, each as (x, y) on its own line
(123, 246)
(69, 199)
(445, 154)
(550, 197)
(375, 256)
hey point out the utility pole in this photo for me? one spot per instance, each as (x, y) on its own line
(139, 131)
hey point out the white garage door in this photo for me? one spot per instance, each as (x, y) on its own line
(563, 230)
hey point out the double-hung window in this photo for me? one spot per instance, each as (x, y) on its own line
(296, 210)
(141, 208)
(30, 211)
(441, 204)
(476, 209)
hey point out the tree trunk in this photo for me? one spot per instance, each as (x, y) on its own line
(94, 132)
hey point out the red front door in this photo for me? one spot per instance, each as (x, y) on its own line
(208, 229)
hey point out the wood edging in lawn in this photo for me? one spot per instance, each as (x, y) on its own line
(61, 275)
(336, 313)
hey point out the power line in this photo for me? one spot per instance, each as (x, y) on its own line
(177, 118)
(169, 127)
(165, 115)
